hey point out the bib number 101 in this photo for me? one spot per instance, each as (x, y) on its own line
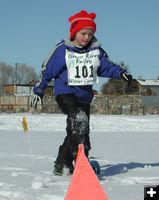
(84, 71)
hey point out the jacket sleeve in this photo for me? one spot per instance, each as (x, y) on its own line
(107, 67)
(51, 68)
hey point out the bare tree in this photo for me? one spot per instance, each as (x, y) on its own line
(6, 73)
(140, 77)
(23, 74)
(115, 86)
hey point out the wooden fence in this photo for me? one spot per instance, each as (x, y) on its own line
(127, 105)
(14, 103)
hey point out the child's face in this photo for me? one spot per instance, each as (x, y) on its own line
(83, 37)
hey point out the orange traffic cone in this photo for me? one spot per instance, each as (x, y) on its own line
(84, 184)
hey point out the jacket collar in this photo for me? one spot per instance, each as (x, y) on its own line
(94, 44)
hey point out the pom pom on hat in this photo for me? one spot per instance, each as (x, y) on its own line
(81, 20)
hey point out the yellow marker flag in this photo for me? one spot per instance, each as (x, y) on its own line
(25, 124)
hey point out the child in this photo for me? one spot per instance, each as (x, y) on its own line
(74, 65)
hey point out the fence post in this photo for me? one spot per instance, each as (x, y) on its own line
(15, 103)
(106, 105)
(143, 109)
(131, 109)
(28, 105)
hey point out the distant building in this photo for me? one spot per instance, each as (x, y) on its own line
(25, 89)
(147, 87)
(1, 86)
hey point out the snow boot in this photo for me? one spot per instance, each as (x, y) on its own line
(70, 167)
(58, 169)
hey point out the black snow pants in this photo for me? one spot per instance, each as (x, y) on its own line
(77, 129)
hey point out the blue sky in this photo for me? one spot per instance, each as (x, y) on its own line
(128, 30)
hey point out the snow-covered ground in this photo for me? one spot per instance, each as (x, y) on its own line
(125, 146)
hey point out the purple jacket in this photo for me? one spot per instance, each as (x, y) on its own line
(74, 69)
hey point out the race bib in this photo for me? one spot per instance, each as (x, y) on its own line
(82, 68)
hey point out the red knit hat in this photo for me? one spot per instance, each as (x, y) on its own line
(80, 21)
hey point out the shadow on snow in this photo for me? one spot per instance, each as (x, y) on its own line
(114, 169)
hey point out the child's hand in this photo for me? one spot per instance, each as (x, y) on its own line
(126, 77)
